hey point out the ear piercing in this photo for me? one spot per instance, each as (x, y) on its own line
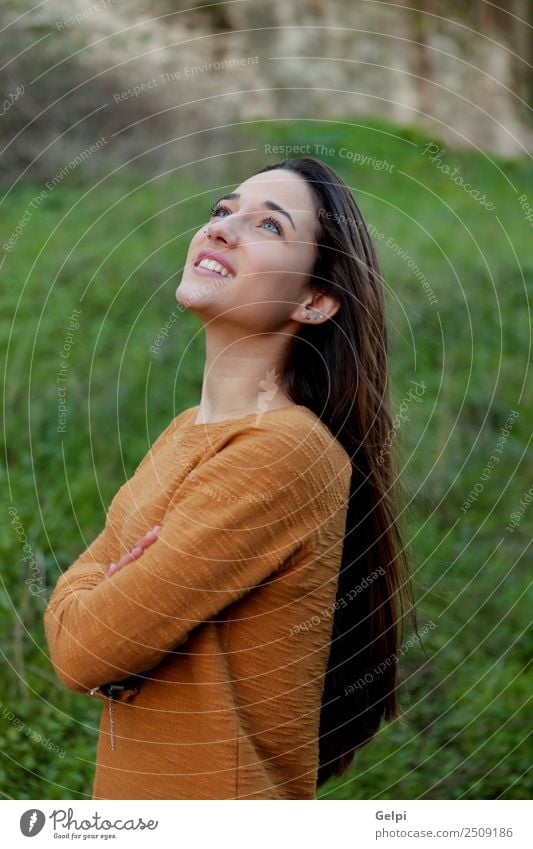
(314, 315)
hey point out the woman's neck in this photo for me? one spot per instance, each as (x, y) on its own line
(241, 378)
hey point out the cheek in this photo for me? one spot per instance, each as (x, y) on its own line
(273, 263)
(280, 277)
(194, 244)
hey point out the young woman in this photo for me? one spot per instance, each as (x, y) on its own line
(240, 613)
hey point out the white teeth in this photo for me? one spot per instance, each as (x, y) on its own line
(213, 266)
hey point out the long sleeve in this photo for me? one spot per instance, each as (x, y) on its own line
(90, 567)
(232, 523)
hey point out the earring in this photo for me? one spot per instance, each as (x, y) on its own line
(314, 315)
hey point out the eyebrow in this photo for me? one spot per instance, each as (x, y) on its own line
(268, 203)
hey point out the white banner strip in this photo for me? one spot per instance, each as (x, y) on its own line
(267, 824)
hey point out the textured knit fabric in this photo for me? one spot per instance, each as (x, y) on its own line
(220, 632)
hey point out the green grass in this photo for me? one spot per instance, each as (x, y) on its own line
(464, 695)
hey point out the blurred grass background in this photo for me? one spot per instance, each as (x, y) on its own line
(115, 249)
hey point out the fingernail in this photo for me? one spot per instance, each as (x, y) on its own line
(156, 528)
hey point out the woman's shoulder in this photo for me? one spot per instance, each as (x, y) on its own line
(293, 422)
(291, 431)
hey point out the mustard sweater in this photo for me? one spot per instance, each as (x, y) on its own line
(216, 640)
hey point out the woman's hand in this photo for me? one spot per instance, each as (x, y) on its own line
(149, 538)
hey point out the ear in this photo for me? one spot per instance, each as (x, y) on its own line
(317, 309)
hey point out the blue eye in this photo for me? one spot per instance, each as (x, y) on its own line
(272, 221)
(216, 209)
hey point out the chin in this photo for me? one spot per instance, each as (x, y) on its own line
(193, 299)
(187, 294)
(181, 296)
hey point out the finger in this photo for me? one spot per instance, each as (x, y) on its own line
(147, 540)
(125, 559)
(150, 537)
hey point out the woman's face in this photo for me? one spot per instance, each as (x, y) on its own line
(269, 254)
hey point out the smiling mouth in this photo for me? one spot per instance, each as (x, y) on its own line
(212, 267)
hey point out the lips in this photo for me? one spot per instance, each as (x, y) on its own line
(215, 257)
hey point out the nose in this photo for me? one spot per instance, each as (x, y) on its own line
(221, 229)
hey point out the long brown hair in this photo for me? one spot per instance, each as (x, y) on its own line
(339, 369)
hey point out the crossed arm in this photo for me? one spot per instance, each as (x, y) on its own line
(106, 621)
